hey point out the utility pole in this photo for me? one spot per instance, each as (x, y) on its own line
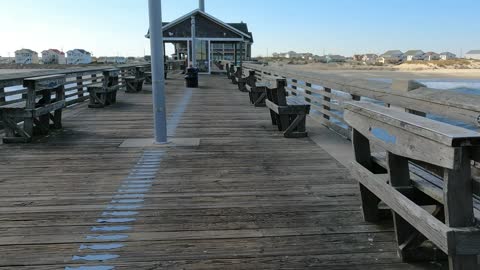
(158, 79)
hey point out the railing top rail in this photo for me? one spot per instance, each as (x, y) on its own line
(13, 79)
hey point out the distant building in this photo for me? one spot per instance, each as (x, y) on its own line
(369, 58)
(358, 57)
(335, 58)
(414, 55)
(26, 56)
(447, 56)
(53, 56)
(292, 54)
(391, 57)
(78, 57)
(474, 54)
(431, 56)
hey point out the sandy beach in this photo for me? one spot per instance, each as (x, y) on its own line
(391, 72)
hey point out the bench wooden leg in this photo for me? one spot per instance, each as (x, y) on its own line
(370, 201)
(406, 234)
(297, 128)
(260, 100)
(57, 119)
(13, 133)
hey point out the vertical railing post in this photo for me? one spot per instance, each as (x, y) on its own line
(2, 92)
(79, 86)
(327, 100)
(308, 92)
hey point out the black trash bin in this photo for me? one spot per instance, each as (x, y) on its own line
(191, 79)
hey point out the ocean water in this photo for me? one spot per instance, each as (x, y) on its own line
(471, 87)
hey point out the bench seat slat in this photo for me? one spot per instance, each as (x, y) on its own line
(440, 132)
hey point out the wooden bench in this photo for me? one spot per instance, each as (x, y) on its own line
(134, 84)
(236, 73)
(43, 102)
(257, 91)
(104, 93)
(241, 78)
(288, 114)
(427, 163)
(148, 77)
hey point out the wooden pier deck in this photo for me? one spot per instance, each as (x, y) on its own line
(244, 198)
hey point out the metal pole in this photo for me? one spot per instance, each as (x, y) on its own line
(194, 43)
(201, 5)
(158, 66)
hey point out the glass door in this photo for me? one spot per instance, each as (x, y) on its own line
(202, 52)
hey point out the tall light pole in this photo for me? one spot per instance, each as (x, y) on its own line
(158, 66)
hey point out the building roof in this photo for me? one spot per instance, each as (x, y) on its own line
(391, 52)
(431, 53)
(239, 28)
(445, 53)
(413, 52)
(80, 50)
(55, 51)
(25, 50)
(474, 52)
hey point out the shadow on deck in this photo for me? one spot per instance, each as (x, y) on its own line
(244, 198)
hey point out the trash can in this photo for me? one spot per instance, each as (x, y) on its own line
(191, 79)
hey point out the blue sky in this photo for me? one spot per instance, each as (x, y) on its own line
(116, 27)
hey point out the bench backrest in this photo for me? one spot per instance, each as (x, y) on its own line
(111, 77)
(409, 135)
(276, 92)
(45, 82)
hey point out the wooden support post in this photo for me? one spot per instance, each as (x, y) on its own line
(294, 87)
(2, 91)
(458, 203)
(327, 99)
(308, 92)
(361, 148)
(79, 86)
(29, 106)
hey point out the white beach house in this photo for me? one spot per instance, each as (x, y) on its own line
(392, 57)
(78, 57)
(53, 56)
(414, 55)
(26, 56)
(447, 56)
(474, 54)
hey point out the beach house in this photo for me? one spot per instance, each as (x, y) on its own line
(369, 58)
(414, 55)
(391, 57)
(431, 56)
(447, 56)
(26, 56)
(213, 40)
(474, 54)
(78, 57)
(53, 56)
(333, 58)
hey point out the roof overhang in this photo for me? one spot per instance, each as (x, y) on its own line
(210, 17)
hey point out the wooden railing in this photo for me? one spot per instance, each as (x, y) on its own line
(328, 93)
(12, 90)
